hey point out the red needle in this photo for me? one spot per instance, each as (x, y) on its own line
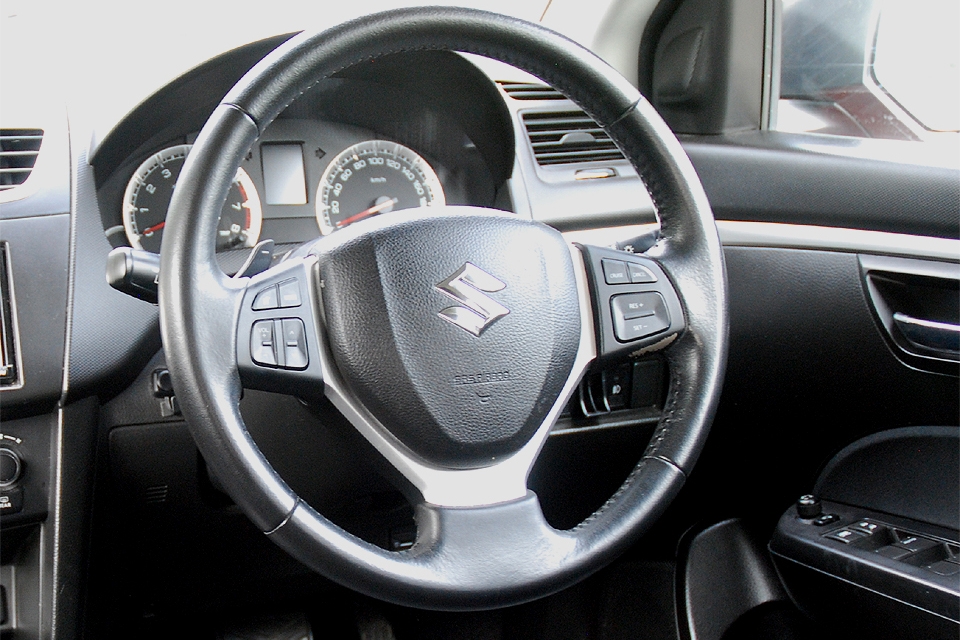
(155, 227)
(377, 208)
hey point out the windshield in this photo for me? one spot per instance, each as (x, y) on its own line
(107, 56)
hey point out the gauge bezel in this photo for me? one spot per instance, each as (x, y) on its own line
(176, 152)
(429, 179)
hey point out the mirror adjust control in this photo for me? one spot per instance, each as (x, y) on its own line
(266, 299)
(289, 294)
(808, 506)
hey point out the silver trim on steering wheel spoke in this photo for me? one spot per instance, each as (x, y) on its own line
(503, 481)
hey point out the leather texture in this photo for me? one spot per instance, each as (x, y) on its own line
(463, 558)
(456, 399)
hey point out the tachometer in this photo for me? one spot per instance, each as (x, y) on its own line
(374, 177)
(148, 195)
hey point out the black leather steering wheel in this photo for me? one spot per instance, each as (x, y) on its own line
(401, 318)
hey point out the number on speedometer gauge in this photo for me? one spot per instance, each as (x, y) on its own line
(374, 177)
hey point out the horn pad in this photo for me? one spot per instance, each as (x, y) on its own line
(457, 329)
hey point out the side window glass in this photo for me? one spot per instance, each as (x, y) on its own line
(871, 68)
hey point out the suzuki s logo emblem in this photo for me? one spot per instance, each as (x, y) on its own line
(469, 286)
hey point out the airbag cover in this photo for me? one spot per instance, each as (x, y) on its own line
(405, 295)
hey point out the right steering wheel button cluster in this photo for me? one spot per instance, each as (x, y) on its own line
(634, 302)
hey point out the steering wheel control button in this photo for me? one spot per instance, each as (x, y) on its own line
(638, 315)
(639, 274)
(289, 294)
(266, 299)
(615, 272)
(294, 344)
(11, 467)
(262, 343)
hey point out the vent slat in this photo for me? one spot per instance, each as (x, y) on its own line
(530, 91)
(18, 155)
(564, 137)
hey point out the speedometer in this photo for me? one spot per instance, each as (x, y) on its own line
(374, 177)
(148, 195)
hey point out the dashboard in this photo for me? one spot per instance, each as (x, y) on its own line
(423, 129)
(376, 140)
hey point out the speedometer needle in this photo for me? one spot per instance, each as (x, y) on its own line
(375, 209)
(155, 227)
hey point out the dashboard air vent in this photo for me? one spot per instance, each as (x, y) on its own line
(567, 137)
(18, 154)
(530, 91)
(9, 340)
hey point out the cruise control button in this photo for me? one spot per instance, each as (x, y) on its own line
(262, 343)
(639, 274)
(266, 299)
(294, 344)
(635, 305)
(615, 272)
(638, 315)
(289, 294)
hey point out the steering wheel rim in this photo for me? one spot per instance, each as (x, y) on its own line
(465, 557)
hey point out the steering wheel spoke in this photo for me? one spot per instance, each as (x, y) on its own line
(278, 334)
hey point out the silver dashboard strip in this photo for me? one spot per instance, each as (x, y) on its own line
(793, 236)
(501, 482)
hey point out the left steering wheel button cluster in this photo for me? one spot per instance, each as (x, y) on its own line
(285, 295)
(279, 342)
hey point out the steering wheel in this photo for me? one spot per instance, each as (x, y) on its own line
(450, 337)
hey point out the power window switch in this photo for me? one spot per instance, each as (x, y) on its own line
(846, 536)
(913, 543)
(867, 527)
(892, 552)
(944, 568)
